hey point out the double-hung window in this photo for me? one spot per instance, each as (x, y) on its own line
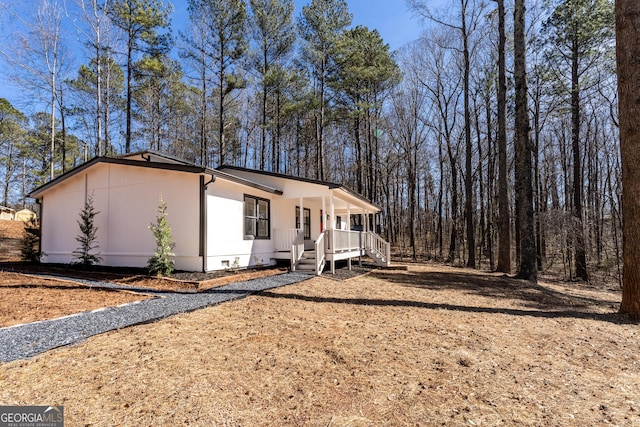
(256, 217)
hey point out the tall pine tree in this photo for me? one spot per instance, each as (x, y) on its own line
(578, 31)
(628, 59)
(320, 26)
(273, 34)
(145, 25)
(527, 264)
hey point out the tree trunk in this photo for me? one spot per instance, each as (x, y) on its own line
(468, 178)
(504, 228)
(490, 182)
(278, 135)
(454, 209)
(127, 143)
(204, 150)
(107, 109)
(53, 125)
(579, 249)
(481, 184)
(628, 61)
(536, 174)
(63, 137)
(412, 178)
(440, 196)
(320, 134)
(98, 46)
(221, 98)
(358, 141)
(263, 120)
(527, 268)
(7, 175)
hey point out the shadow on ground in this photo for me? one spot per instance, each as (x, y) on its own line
(535, 300)
(529, 295)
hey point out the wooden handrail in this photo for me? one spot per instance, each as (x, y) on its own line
(320, 254)
(297, 249)
(378, 247)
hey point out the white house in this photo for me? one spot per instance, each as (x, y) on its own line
(7, 213)
(230, 217)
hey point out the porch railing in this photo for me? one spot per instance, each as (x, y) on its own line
(343, 241)
(377, 248)
(297, 249)
(333, 242)
(321, 255)
(283, 239)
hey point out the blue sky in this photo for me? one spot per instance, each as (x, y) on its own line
(391, 18)
(394, 22)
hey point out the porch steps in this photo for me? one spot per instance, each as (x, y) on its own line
(307, 263)
(378, 258)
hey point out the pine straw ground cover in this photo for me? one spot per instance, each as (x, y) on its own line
(25, 298)
(197, 282)
(11, 229)
(431, 346)
(178, 282)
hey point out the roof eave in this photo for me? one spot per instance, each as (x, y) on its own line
(329, 185)
(245, 182)
(359, 197)
(180, 167)
(37, 193)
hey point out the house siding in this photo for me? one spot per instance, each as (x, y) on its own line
(226, 244)
(205, 212)
(127, 199)
(286, 214)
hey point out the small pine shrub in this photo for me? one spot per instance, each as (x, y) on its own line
(87, 237)
(161, 263)
(30, 249)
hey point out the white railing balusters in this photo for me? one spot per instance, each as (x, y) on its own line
(378, 249)
(334, 245)
(284, 238)
(297, 249)
(343, 241)
(320, 254)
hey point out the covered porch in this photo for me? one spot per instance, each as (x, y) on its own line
(310, 246)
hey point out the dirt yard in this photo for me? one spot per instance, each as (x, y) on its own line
(28, 298)
(25, 298)
(431, 346)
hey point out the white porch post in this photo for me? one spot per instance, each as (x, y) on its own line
(333, 226)
(332, 213)
(349, 230)
(301, 218)
(363, 239)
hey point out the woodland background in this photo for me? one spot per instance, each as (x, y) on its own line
(417, 130)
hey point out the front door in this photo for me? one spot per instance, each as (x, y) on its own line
(306, 223)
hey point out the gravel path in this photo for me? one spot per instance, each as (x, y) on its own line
(23, 341)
